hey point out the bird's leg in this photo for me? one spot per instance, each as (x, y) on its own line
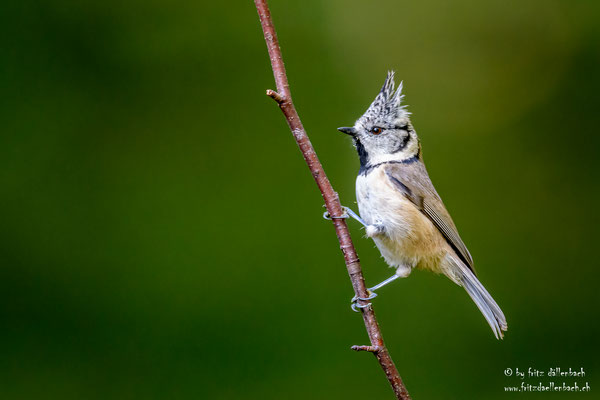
(401, 272)
(382, 284)
(371, 230)
(347, 213)
(355, 216)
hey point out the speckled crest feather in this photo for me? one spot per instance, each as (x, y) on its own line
(387, 106)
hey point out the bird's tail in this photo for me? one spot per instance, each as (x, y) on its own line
(484, 301)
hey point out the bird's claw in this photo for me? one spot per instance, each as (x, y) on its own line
(356, 307)
(329, 217)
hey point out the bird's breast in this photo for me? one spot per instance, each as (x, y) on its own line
(380, 203)
(409, 237)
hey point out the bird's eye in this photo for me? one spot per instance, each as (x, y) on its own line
(376, 130)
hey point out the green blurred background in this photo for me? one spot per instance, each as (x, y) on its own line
(162, 237)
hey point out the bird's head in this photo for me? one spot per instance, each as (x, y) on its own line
(384, 132)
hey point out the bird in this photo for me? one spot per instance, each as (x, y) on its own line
(400, 208)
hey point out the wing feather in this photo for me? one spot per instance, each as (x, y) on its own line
(413, 181)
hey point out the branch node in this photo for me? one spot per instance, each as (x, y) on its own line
(370, 349)
(275, 96)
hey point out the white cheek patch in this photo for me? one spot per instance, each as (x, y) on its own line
(397, 151)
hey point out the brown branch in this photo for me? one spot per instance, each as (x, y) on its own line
(283, 97)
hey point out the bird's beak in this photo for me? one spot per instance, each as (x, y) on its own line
(348, 131)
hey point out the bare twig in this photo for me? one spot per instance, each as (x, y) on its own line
(283, 97)
(371, 349)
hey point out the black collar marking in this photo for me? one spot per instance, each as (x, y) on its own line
(365, 169)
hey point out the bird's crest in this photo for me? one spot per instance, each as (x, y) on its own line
(387, 106)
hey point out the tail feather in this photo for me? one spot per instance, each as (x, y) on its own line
(484, 301)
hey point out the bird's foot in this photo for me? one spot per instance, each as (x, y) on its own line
(401, 273)
(355, 305)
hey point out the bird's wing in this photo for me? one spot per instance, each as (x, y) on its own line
(413, 182)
